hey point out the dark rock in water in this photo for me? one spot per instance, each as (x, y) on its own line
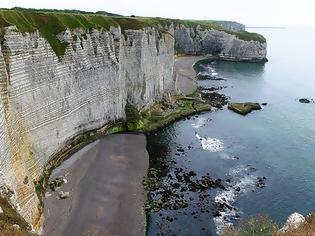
(264, 104)
(176, 185)
(215, 99)
(216, 214)
(252, 169)
(219, 79)
(207, 76)
(304, 100)
(210, 89)
(237, 189)
(244, 108)
(261, 182)
(223, 206)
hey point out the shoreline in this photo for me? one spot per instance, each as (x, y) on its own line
(83, 141)
(104, 180)
(177, 193)
(185, 73)
(189, 103)
(184, 68)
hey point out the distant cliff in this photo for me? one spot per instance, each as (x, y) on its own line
(62, 75)
(236, 46)
(231, 25)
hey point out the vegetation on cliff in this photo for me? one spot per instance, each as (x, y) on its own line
(50, 23)
(263, 226)
(162, 113)
(11, 223)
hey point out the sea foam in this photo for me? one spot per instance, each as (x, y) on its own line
(199, 123)
(243, 184)
(211, 144)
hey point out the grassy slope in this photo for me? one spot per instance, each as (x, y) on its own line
(8, 218)
(262, 226)
(51, 23)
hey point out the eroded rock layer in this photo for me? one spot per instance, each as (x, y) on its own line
(199, 41)
(47, 100)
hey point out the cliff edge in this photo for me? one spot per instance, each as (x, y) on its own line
(63, 75)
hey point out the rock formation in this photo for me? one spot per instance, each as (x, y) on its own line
(243, 108)
(294, 221)
(200, 41)
(48, 99)
(45, 101)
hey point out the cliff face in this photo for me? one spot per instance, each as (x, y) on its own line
(47, 100)
(199, 41)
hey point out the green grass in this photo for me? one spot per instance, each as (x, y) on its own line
(10, 217)
(134, 119)
(260, 226)
(73, 11)
(247, 36)
(51, 23)
(159, 115)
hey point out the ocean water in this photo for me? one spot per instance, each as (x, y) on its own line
(277, 142)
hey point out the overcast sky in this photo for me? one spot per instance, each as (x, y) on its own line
(249, 12)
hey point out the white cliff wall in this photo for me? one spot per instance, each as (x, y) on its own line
(151, 57)
(198, 41)
(46, 101)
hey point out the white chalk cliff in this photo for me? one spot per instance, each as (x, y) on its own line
(47, 100)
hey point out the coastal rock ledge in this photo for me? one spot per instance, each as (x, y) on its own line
(243, 108)
(57, 88)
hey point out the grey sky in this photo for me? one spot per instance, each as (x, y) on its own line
(250, 12)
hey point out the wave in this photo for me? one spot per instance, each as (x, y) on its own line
(211, 144)
(199, 123)
(224, 200)
(226, 156)
(208, 71)
(212, 72)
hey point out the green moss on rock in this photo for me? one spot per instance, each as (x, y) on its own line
(244, 108)
(160, 115)
(134, 120)
(10, 217)
(248, 36)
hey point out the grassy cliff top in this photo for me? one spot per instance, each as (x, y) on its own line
(52, 22)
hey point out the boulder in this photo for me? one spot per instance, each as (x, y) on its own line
(294, 221)
(47, 194)
(243, 108)
(63, 195)
(1, 211)
(57, 183)
(304, 100)
(16, 226)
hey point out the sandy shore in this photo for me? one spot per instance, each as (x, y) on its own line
(105, 185)
(185, 74)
